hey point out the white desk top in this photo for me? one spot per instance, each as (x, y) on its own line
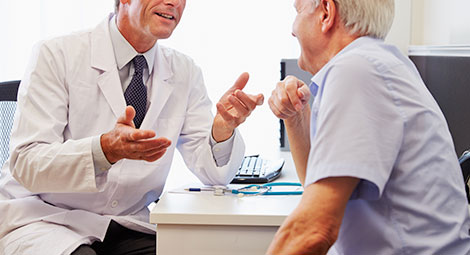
(206, 209)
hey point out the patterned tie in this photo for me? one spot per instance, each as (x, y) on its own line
(136, 92)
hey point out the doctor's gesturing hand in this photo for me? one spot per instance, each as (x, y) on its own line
(233, 108)
(125, 141)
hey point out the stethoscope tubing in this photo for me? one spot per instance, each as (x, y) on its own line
(265, 189)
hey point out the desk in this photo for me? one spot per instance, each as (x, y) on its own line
(204, 224)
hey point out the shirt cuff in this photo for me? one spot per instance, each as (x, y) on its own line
(100, 162)
(222, 151)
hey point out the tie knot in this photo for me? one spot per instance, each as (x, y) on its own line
(139, 63)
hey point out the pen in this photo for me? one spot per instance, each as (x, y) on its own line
(199, 189)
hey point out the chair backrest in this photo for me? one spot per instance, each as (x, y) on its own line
(8, 94)
(465, 165)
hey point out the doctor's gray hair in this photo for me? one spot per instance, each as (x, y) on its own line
(366, 17)
(116, 5)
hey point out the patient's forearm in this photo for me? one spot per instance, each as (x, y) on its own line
(298, 133)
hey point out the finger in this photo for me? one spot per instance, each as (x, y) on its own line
(152, 153)
(241, 82)
(250, 101)
(224, 113)
(141, 134)
(304, 94)
(242, 109)
(282, 100)
(283, 103)
(155, 156)
(275, 110)
(149, 152)
(259, 99)
(292, 93)
(148, 146)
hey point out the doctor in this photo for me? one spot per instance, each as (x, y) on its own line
(83, 166)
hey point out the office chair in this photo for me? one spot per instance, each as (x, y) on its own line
(8, 94)
(464, 161)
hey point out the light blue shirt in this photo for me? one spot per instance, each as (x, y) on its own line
(374, 119)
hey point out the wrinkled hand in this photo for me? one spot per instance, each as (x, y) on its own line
(125, 141)
(289, 97)
(233, 108)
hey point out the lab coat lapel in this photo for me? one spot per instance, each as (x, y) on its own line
(103, 59)
(163, 86)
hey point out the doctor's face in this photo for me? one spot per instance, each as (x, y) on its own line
(153, 18)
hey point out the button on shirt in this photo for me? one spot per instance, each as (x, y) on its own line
(374, 119)
(124, 53)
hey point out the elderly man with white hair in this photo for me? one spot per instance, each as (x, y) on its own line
(374, 152)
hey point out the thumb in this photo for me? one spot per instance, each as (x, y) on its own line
(304, 94)
(128, 116)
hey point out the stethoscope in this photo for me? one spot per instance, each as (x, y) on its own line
(252, 190)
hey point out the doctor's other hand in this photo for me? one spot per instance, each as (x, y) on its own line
(233, 108)
(125, 141)
(289, 98)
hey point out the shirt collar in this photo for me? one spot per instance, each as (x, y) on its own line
(318, 78)
(124, 51)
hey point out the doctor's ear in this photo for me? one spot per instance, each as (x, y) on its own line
(328, 12)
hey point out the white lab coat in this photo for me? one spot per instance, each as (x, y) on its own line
(70, 93)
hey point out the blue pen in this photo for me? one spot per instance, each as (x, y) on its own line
(199, 189)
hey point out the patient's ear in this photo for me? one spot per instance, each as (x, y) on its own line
(328, 14)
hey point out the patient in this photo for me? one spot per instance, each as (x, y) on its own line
(373, 151)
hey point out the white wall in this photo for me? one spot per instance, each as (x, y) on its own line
(400, 32)
(25, 22)
(232, 37)
(440, 22)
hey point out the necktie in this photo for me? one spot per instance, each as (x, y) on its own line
(136, 92)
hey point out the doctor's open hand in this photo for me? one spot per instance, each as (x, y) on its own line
(125, 141)
(233, 108)
(289, 98)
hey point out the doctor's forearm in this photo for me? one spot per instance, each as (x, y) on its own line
(57, 167)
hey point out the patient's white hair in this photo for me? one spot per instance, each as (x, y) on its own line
(366, 17)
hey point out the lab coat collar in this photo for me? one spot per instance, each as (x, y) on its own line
(102, 59)
(102, 53)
